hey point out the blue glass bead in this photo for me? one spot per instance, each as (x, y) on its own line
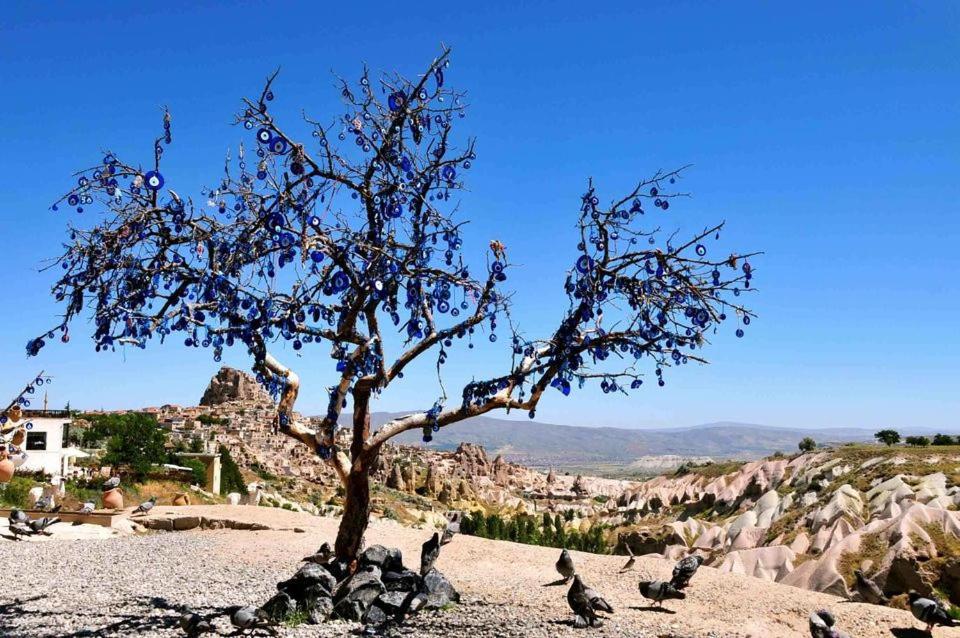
(153, 180)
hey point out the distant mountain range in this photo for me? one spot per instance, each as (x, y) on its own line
(540, 444)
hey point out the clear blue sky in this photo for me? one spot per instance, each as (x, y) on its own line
(827, 136)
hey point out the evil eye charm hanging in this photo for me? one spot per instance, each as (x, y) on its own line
(397, 101)
(264, 136)
(584, 264)
(448, 173)
(153, 180)
(278, 145)
(701, 250)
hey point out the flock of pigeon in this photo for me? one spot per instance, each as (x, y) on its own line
(586, 602)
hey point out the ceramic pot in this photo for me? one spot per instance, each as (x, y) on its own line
(181, 499)
(113, 499)
(6, 470)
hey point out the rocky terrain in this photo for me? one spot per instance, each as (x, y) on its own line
(138, 585)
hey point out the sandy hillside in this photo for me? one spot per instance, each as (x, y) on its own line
(135, 585)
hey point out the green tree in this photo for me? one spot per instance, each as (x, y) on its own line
(944, 439)
(887, 437)
(231, 480)
(917, 441)
(137, 442)
(807, 444)
(196, 444)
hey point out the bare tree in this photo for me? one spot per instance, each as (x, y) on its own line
(350, 238)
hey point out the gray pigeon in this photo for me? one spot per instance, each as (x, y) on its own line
(930, 611)
(18, 516)
(630, 561)
(822, 625)
(452, 528)
(193, 624)
(88, 507)
(565, 566)
(40, 525)
(249, 618)
(582, 605)
(684, 570)
(429, 553)
(111, 483)
(869, 591)
(659, 591)
(43, 503)
(20, 529)
(145, 507)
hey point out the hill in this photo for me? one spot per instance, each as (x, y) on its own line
(538, 444)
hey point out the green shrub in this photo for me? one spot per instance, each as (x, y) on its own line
(14, 494)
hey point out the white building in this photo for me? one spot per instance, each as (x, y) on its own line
(46, 445)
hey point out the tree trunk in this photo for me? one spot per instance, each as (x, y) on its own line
(356, 514)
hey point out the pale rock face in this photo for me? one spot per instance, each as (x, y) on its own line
(749, 537)
(768, 563)
(846, 501)
(233, 498)
(808, 499)
(712, 538)
(747, 519)
(801, 543)
(230, 384)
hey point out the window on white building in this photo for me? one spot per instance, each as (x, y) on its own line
(36, 440)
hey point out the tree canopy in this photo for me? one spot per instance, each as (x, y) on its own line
(887, 437)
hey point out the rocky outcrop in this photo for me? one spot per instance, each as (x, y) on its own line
(230, 384)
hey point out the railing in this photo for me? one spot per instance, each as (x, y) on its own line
(49, 414)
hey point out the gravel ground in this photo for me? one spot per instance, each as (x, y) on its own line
(137, 585)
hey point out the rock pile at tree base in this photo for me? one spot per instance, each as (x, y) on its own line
(381, 589)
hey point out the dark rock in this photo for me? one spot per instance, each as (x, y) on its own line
(439, 590)
(279, 608)
(405, 580)
(391, 600)
(356, 594)
(311, 580)
(387, 559)
(375, 615)
(339, 568)
(318, 610)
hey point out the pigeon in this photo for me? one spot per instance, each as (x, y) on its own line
(565, 566)
(43, 503)
(869, 591)
(111, 483)
(659, 591)
(88, 507)
(20, 529)
(930, 611)
(193, 624)
(18, 516)
(244, 618)
(630, 561)
(451, 530)
(40, 525)
(322, 556)
(145, 507)
(684, 570)
(821, 625)
(429, 553)
(581, 602)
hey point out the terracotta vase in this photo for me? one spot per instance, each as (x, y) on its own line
(113, 499)
(6, 470)
(19, 437)
(181, 499)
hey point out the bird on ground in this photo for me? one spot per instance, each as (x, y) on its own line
(193, 624)
(684, 570)
(88, 507)
(20, 529)
(429, 553)
(630, 561)
(565, 566)
(659, 591)
(40, 525)
(930, 611)
(869, 591)
(322, 555)
(822, 625)
(111, 483)
(451, 530)
(18, 516)
(43, 503)
(249, 618)
(582, 601)
(146, 506)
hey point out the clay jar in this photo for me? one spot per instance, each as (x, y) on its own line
(181, 499)
(113, 499)
(6, 470)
